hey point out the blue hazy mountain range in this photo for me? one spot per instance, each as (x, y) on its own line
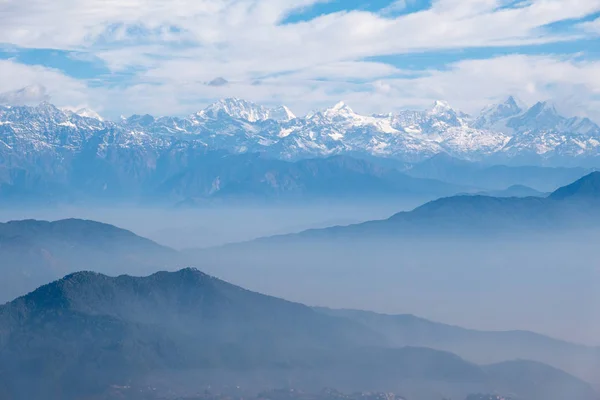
(574, 206)
(118, 325)
(46, 250)
(65, 156)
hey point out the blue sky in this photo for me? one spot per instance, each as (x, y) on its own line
(384, 7)
(138, 56)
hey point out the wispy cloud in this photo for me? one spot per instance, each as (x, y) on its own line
(591, 26)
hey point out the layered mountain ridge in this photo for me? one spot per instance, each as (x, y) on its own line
(569, 208)
(35, 252)
(87, 334)
(58, 154)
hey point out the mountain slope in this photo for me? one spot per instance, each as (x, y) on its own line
(587, 188)
(36, 252)
(483, 347)
(515, 191)
(482, 214)
(519, 376)
(184, 320)
(498, 177)
(79, 336)
(254, 177)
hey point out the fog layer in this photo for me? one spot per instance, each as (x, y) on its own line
(217, 225)
(544, 283)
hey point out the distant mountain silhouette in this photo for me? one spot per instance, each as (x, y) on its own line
(36, 252)
(519, 375)
(446, 168)
(587, 188)
(187, 174)
(252, 177)
(466, 214)
(482, 347)
(77, 337)
(514, 191)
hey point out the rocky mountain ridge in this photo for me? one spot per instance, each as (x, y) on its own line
(506, 131)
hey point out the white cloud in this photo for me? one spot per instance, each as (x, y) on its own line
(573, 84)
(252, 25)
(175, 47)
(467, 85)
(33, 83)
(591, 26)
(29, 95)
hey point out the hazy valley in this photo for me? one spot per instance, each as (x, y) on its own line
(190, 328)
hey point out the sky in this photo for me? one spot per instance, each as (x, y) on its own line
(120, 57)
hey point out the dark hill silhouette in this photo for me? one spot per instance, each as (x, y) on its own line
(78, 336)
(586, 188)
(480, 215)
(36, 252)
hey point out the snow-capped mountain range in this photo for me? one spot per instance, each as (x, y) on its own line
(506, 132)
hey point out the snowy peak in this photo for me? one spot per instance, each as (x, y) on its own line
(492, 116)
(541, 116)
(281, 114)
(340, 106)
(341, 109)
(340, 112)
(514, 103)
(87, 113)
(238, 126)
(236, 108)
(140, 120)
(440, 107)
(43, 112)
(507, 109)
(543, 109)
(246, 110)
(47, 108)
(582, 126)
(443, 112)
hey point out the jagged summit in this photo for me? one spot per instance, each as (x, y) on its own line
(245, 110)
(496, 113)
(543, 111)
(282, 114)
(340, 105)
(339, 109)
(236, 108)
(513, 103)
(542, 116)
(440, 106)
(442, 116)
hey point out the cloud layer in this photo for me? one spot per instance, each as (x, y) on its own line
(174, 57)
